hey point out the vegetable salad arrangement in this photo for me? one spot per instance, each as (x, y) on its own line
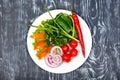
(56, 39)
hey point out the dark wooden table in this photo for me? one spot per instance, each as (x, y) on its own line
(102, 17)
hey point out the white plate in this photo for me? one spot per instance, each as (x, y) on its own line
(65, 67)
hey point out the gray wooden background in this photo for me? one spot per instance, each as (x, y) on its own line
(103, 18)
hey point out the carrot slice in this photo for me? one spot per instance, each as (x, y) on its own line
(44, 52)
(38, 35)
(39, 45)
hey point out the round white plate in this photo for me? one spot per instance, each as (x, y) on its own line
(65, 67)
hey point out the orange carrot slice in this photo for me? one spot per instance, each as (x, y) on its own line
(44, 52)
(38, 35)
(39, 45)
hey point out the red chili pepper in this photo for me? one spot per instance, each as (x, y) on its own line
(79, 32)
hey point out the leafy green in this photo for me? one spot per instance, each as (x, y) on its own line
(59, 30)
(62, 20)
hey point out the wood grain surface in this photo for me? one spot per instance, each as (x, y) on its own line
(102, 17)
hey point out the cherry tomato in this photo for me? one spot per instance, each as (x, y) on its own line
(65, 48)
(73, 52)
(73, 43)
(66, 58)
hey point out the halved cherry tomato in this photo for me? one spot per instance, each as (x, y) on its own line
(66, 58)
(73, 43)
(73, 52)
(65, 48)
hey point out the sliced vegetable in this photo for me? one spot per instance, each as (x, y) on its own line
(39, 45)
(38, 35)
(79, 32)
(57, 59)
(53, 61)
(56, 50)
(43, 52)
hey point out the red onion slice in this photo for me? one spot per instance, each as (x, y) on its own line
(57, 59)
(56, 50)
(53, 61)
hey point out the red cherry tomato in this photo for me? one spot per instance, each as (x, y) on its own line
(73, 52)
(73, 43)
(66, 58)
(65, 48)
